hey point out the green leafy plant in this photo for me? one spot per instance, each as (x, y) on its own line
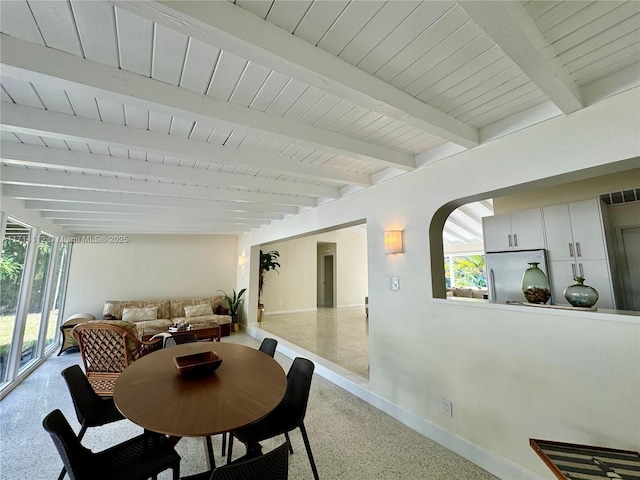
(268, 261)
(235, 301)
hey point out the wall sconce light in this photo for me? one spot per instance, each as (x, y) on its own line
(241, 260)
(393, 242)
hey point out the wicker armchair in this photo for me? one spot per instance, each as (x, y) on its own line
(107, 349)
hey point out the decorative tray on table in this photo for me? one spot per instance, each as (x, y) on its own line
(197, 364)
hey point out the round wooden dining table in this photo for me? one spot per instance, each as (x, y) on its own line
(246, 386)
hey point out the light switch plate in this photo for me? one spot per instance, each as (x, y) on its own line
(395, 283)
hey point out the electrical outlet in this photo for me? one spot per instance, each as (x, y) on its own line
(395, 283)
(448, 407)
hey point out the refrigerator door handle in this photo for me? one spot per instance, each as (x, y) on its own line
(571, 249)
(580, 269)
(515, 239)
(578, 250)
(573, 268)
(510, 244)
(493, 284)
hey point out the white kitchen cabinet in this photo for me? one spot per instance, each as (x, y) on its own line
(513, 231)
(596, 273)
(576, 246)
(575, 231)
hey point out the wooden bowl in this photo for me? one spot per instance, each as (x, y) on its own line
(198, 364)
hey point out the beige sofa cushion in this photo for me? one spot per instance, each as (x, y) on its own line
(198, 310)
(204, 320)
(115, 308)
(177, 306)
(139, 314)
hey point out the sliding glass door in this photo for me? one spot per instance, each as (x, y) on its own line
(33, 273)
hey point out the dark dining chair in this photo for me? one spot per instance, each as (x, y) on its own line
(180, 338)
(92, 410)
(139, 458)
(270, 466)
(287, 416)
(267, 346)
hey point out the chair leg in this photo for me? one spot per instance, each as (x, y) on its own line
(230, 447)
(210, 455)
(224, 444)
(62, 473)
(176, 471)
(286, 435)
(83, 430)
(308, 447)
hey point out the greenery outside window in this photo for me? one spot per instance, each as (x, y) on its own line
(465, 271)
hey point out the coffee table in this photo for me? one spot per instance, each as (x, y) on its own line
(212, 333)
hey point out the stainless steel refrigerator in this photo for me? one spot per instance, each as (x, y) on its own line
(505, 271)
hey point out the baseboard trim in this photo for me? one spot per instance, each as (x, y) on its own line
(497, 465)
(267, 314)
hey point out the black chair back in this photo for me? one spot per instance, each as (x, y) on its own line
(298, 386)
(270, 466)
(269, 346)
(76, 458)
(85, 399)
(180, 338)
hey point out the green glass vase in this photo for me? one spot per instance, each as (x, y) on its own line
(535, 285)
(581, 295)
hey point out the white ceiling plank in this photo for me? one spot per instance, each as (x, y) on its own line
(95, 197)
(54, 99)
(351, 20)
(198, 66)
(127, 222)
(16, 20)
(24, 176)
(413, 26)
(257, 7)
(23, 60)
(287, 14)
(253, 78)
(600, 52)
(16, 154)
(84, 105)
(135, 39)
(169, 50)
(111, 112)
(21, 92)
(560, 13)
(227, 73)
(50, 209)
(598, 68)
(28, 120)
(160, 122)
(97, 30)
(231, 28)
(319, 18)
(57, 26)
(270, 90)
(181, 127)
(292, 91)
(30, 139)
(511, 27)
(136, 117)
(307, 100)
(324, 105)
(55, 143)
(382, 24)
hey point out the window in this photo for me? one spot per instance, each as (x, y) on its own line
(466, 271)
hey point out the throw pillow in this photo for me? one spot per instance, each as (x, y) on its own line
(198, 310)
(140, 314)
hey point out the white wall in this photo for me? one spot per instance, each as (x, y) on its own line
(295, 286)
(511, 373)
(150, 267)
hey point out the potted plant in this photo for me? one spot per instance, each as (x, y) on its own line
(234, 303)
(268, 261)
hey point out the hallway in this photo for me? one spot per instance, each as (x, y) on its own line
(340, 335)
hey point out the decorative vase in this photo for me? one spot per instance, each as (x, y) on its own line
(535, 285)
(581, 295)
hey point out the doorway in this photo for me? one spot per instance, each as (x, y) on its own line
(630, 266)
(326, 281)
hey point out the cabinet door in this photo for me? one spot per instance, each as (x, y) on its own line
(588, 231)
(596, 274)
(557, 229)
(497, 233)
(527, 231)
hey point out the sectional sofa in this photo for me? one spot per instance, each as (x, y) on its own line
(156, 316)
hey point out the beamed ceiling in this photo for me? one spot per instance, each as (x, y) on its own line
(221, 117)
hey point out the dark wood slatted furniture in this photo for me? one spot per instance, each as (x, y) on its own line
(586, 462)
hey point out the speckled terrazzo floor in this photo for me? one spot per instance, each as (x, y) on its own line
(341, 335)
(350, 438)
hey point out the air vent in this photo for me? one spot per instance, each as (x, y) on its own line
(618, 198)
